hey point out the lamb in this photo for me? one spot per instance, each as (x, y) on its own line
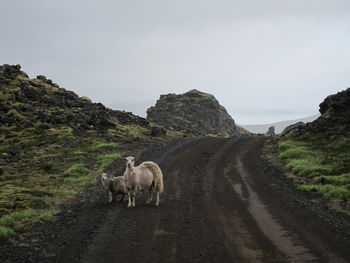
(146, 176)
(114, 186)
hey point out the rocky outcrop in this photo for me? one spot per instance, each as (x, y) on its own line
(292, 127)
(335, 116)
(271, 131)
(43, 104)
(195, 112)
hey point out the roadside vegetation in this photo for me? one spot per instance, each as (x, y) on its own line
(46, 172)
(323, 164)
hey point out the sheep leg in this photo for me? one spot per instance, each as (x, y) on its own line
(110, 197)
(157, 199)
(121, 200)
(133, 199)
(150, 197)
(114, 195)
(129, 196)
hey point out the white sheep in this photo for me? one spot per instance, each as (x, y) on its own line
(146, 176)
(114, 186)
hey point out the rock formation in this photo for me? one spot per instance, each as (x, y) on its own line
(335, 116)
(195, 112)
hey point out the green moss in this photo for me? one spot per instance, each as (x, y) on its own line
(14, 113)
(107, 159)
(62, 133)
(325, 162)
(328, 113)
(79, 181)
(133, 131)
(343, 179)
(22, 77)
(16, 219)
(295, 153)
(46, 217)
(6, 231)
(328, 190)
(77, 170)
(308, 167)
(86, 99)
(100, 145)
(64, 192)
(46, 86)
(5, 96)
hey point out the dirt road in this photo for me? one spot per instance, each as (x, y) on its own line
(222, 203)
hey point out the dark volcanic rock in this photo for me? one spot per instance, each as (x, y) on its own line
(335, 118)
(271, 131)
(158, 131)
(41, 103)
(10, 71)
(195, 112)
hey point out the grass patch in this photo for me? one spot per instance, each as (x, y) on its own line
(295, 153)
(343, 179)
(327, 190)
(101, 146)
(325, 162)
(308, 167)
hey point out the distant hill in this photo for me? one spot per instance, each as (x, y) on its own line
(193, 111)
(279, 126)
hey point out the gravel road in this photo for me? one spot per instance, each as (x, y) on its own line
(223, 202)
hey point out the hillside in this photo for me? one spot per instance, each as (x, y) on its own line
(53, 144)
(194, 111)
(279, 126)
(319, 152)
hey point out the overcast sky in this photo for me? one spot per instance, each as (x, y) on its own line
(265, 61)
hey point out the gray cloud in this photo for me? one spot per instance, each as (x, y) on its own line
(265, 61)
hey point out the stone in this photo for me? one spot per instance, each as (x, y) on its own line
(158, 131)
(271, 131)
